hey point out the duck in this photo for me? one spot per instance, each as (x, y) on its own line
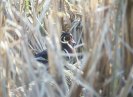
(67, 46)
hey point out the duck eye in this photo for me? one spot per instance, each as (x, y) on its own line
(68, 38)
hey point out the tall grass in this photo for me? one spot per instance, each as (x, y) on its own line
(103, 57)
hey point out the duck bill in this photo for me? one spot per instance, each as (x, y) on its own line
(73, 42)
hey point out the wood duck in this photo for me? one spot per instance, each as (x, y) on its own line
(67, 44)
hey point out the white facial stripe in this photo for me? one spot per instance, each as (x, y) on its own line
(64, 41)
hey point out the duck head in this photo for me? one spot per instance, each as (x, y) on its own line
(67, 42)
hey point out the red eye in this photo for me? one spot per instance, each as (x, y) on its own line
(68, 38)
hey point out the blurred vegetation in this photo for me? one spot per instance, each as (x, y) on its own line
(103, 30)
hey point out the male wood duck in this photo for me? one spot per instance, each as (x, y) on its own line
(67, 44)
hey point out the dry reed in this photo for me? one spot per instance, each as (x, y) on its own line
(103, 57)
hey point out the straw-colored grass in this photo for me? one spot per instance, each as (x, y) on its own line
(102, 59)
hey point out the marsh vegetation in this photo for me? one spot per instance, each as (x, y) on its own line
(101, 64)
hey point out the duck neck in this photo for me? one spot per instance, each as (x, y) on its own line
(67, 47)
